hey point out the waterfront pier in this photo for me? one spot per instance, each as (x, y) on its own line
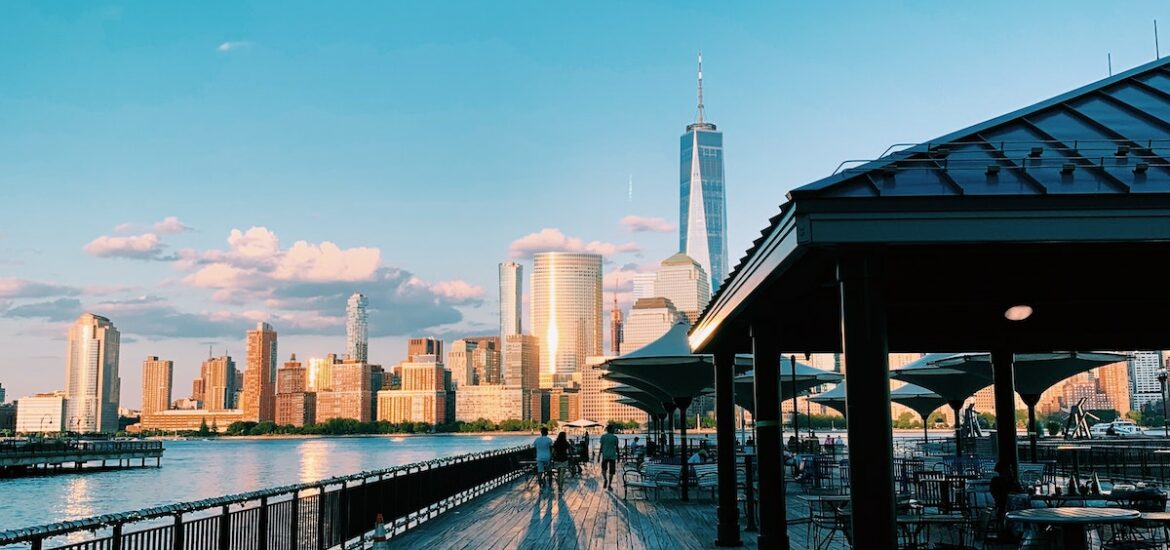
(61, 455)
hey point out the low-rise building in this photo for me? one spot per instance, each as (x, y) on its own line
(399, 406)
(41, 413)
(191, 420)
(493, 402)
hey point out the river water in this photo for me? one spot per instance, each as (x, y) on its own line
(197, 469)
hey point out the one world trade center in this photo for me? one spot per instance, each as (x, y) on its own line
(702, 224)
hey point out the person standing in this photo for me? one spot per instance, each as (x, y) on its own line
(560, 456)
(609, 454)
(543, 447)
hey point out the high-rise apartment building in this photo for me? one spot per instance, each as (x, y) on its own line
(423, 346)
(566, 311)
(702, 228)
(682, 280)
(351, 395)
(521, 364)
(259, 399)
(294, 405)
(511, 296)
(649, 319)
(2, 394)
(496, 402)
(319, 374)
(218, 376)
(459, 362)
(92, 384)
(197, 392)
(1143, 378)
(157, 379)
(357, 346)
(423, 394)
(1113, 381)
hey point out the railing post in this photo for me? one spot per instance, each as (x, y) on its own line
(343, 512)
(321, 517)
(262, 524)
(177, 533)
(116, 537)
(36, 544)
(225, 528)
(294, 518)
(749, 493)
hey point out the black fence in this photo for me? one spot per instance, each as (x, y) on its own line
(331, 513)
(41, 447)
(1118, 460)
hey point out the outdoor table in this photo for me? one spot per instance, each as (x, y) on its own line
(1163, 521)
(818, 503)
(1057, 501)
(1073, 521)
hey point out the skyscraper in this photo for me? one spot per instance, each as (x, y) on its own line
(1143, 378)
(218, 375)
(702, 228)
(260, 375)
(644, 285)
(649, 319)
(566, 311)
(357, 345)
(157, 377)
(423, 346)
(511, 294)
(92, 385)
(294, 405)
(682, 280)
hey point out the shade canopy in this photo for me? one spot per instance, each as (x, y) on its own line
(634, 387)
(805, 377)
(667, 364)
(918, 398)
(950, 383)
(650, 403)
(834, 398)
(1035, 372)
(582, 423)
(640, 405)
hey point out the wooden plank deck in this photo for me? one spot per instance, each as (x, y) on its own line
(584, 517)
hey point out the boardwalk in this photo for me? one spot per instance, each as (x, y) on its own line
(583, 516)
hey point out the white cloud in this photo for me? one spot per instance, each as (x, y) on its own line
(12, 287)
(170, 225)
(553, 240)
(146, 246)
(639, 224)
(233, 45)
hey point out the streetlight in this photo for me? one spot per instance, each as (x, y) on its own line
(1162, 375)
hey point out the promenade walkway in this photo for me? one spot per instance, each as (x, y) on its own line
(583, 516)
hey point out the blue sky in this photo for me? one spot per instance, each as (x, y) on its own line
(413, 146)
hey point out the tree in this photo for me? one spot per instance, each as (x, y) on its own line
(203, 429)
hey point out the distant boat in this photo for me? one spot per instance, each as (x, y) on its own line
(1118, 428)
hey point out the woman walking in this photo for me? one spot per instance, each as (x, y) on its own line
(560, 456)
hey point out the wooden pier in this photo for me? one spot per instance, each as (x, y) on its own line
(38, 457)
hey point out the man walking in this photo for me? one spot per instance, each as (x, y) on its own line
(543, 447)
(609, 454)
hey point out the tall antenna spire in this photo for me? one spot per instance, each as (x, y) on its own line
(700, 120)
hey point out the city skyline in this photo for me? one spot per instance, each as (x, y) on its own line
(150, 251)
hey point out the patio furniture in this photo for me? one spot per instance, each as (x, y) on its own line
(1073, 522)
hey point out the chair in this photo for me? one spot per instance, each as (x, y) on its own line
(706, 477)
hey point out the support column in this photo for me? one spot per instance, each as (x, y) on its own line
(772, 509)
(867, 368)
(727, 532)
(957, 408)
(1005, 409)
(684, 468)
(670, 408)
(1033, 430)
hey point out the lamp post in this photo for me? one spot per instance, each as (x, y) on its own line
(1162, 375)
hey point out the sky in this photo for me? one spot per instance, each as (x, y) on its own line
(190, 169)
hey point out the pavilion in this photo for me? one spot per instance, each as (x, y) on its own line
(1019, 232)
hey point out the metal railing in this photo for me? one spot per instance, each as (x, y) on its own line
(60, 446)
(1144, 460)
(330, 513)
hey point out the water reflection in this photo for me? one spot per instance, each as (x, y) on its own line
(79, 501)
(313, 460)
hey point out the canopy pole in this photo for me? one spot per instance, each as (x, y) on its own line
(683, 403)
(670, 408)
(727, 513)
(1005, 410)
(1033, 430)
(957, 408)
(772, 509)
(795, 416)
(871, 440)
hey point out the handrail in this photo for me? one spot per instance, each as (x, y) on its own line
(170, 510)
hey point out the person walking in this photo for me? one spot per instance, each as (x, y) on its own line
(609, 454)
(560, 456)
(543, 447)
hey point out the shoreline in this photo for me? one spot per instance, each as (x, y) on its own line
(328, 436)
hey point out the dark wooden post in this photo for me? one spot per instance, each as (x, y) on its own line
(670, 409)
(225, 528)
(294, 521)
(177, 534)
(766, 360)
(727, 532)
(683, 403)
(957, 408)
(262, 524)
(1033, 430)
(116, 537)
(1005, 409)
(867, 368)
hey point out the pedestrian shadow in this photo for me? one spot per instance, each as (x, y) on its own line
(551, 522)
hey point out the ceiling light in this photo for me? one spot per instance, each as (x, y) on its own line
(1018, 313)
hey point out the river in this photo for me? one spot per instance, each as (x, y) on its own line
(197, 469)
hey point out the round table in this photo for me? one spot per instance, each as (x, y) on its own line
(1073, 520)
